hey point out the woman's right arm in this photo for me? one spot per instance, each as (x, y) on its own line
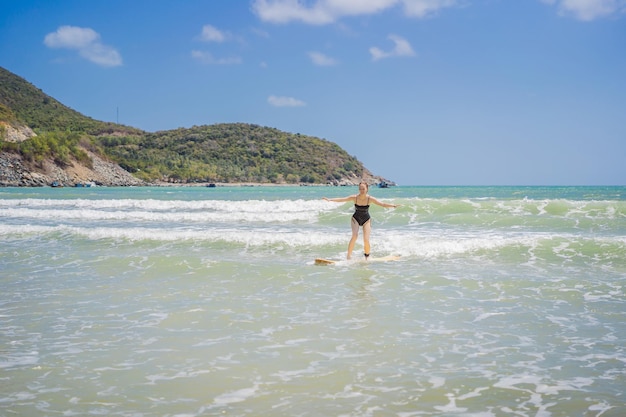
(340, 199)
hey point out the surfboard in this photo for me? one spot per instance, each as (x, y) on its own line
(322, 261)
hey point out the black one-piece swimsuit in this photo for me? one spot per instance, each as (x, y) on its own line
(361, 213)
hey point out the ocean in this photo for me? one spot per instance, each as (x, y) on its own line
(196, 301)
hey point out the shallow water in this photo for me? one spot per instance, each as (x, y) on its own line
(195, 301)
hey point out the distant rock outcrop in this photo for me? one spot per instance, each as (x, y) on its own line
(16, 134)
(15, 172)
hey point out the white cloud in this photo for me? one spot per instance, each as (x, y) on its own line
(282, 101)
(284, 11)
(87, 42)
(423, 8)
(323, 12)
(587, 10)
(322, 60)
(401, 48)
(102, 55)
(208, 58)
(71, 37)
(212, 34)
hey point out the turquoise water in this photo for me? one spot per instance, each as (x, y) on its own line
(190, 301)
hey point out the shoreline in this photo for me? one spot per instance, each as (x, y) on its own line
(243, 184)
(14, 172)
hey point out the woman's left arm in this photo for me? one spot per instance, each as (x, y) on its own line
(382, 204)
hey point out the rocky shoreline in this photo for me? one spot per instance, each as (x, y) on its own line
(15, 172)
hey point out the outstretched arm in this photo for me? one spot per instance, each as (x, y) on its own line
(340, 199)
(382, 204)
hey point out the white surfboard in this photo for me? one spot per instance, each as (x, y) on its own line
(322, 261)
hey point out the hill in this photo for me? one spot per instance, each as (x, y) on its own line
(233, 153)
(32, 107)
(44, 133)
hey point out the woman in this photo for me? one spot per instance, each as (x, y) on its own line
(361, 216)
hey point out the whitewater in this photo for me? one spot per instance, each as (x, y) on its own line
(194, 301)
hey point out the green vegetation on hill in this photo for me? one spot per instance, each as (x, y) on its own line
(61, 147)
(235, 152)
(6, 115)
(232, 152)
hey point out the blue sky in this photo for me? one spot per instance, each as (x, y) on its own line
(423, 92)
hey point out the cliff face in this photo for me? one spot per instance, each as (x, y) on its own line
(15, 133)
(15, 172)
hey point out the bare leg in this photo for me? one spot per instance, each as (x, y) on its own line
(367, 229)
(355, 235)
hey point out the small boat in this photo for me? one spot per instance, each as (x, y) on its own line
(383, 184)
(211, 185)
(56, 184)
